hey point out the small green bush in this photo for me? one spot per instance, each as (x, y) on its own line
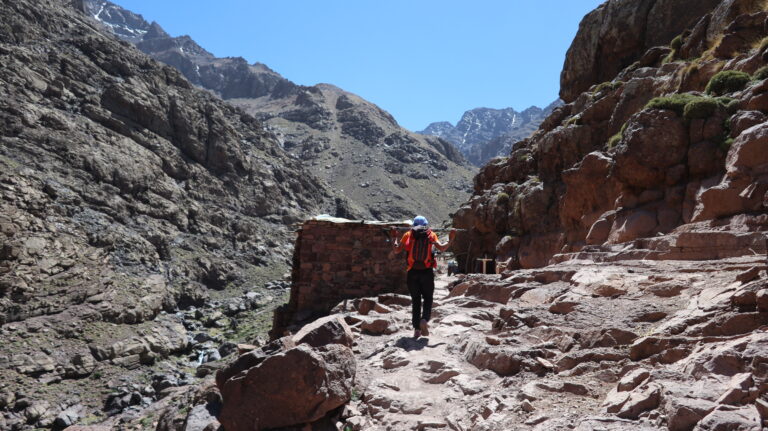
(691, 106)
(763, 44)
(575, 120)
(729, 104)
(676, 43)
(674, 102)
(761, 74)
(612, 85)
(703, 107)
(502, 198)
(727, 81)
(613, 141)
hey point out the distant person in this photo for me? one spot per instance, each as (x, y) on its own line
(419, 242)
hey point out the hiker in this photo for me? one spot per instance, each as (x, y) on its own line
(419, 242)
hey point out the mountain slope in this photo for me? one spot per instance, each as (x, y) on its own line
(385, 171)
(126, 194)
(485, 133)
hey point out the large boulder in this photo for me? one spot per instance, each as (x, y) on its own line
(327, 330)
(297, 386)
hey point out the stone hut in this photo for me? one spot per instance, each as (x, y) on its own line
(336, 259)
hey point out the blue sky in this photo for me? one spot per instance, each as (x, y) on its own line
(421, 60)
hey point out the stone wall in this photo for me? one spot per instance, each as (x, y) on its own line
(336, 259)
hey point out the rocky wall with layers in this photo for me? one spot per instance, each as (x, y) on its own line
(336, 259)
(674, 145)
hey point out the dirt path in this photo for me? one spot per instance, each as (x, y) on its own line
(545, 349)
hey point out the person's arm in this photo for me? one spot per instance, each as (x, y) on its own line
(443, 246)
(397, 246)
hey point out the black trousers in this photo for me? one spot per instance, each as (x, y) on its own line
(421, 284)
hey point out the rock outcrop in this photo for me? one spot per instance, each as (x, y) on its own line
(485, 133)
(281, 385)
(382, 171)
(668, 147)
(619, 32)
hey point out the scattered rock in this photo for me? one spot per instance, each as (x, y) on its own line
(294, 387)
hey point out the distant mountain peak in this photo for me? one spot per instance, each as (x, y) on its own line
(476, 134)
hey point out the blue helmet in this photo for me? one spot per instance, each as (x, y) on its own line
(420, 221)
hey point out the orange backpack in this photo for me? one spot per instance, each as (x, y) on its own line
(419, 246)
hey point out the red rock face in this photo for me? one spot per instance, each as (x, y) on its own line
(607, 169)
(618, 33)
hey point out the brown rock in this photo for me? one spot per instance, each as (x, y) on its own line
(762, 300)
(326, 330)
(633, 225)
(378, 326)
(738, 390)
(366, 305)
(294, 387)
(744, 419)
(632, 379)
(666, 289)
(743, 120)
(705, 159)
(654, 141)
(684, 413)
(643, 398)
(750, 274)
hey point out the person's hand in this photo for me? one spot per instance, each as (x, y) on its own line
(451, 235)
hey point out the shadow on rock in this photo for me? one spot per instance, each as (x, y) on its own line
(409, 344)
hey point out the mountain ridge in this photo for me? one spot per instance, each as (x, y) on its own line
(483, 133)
(383, 170)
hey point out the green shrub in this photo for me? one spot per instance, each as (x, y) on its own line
(613, 141)
(729, 104)
(674, 102)
(612, 85)
(727, 81)
(575, 120)
(703, 107)
(676, 43)
(763, 44)
(691, 106)
(761, 74)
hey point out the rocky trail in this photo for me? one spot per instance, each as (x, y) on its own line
(578, 345)
(611, 344)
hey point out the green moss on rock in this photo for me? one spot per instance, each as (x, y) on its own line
(727, 81)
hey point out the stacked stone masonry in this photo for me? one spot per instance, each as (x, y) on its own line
(337, 259)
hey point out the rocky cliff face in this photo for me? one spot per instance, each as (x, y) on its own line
(385, 171)
(649, 153)
(619, 32)
(126, 194)
(485, 133)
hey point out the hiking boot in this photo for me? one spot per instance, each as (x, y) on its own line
(416, 333)
(424, 327)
